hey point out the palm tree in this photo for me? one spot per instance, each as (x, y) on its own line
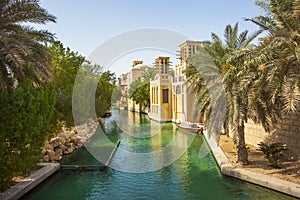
(21, 45)
(278, 55)
(230, 58)
(149, 74)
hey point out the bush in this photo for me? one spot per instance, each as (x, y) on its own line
(26, 120)
(272, 152)
(66, 64)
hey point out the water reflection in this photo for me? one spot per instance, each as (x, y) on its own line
(136, 124)
(150, 146)
(189, 177)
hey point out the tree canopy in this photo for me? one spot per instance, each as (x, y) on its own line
(139, 91)
(21, 45)
(261, 82)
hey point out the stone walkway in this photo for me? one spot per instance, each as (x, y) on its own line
(267, 181)
(289, 170)
(28, 183)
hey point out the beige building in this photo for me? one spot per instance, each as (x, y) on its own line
(123, 83)
(183, 97)
(137, 70)
(171, 97)
(188, 49)
(160, 91)
(172, 100)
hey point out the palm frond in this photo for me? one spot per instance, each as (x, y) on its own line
(22, 45)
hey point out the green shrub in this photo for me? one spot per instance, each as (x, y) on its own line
(26, 120)
(66, 64)
(272, 152)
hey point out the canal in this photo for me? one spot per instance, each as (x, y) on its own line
(172, 174)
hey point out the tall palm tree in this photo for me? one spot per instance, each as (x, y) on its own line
(21, 45)
(278, 55)
(230, 57)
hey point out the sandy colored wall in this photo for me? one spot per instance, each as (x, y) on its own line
(288, 131)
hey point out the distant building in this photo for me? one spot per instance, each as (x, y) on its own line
(123, 83)
(137, 70)
(188, 49)
(171, 98)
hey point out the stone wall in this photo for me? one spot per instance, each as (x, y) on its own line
(287, 131)
(254, 133)
(68, 140)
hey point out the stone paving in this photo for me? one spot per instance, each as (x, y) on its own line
(21, 188)
(270, 182)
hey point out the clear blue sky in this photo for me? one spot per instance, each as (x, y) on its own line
(84, 25)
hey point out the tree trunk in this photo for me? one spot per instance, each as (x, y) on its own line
(226, 127)
(242, 150)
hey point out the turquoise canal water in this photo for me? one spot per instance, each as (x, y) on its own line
(189, 177)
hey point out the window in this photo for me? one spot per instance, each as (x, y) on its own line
(165, 95)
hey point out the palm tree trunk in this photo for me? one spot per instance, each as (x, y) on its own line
(226, 126)
(242, 150)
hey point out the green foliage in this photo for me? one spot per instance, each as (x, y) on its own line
(27, 119)
(66, 65)
(117, 94)
(273, 152)
(104, 92)
(83, 94)
(229, 58)
(278, 55)
(21, 44)
(261, 82)
(149, 74)
(93, 93)
(139, 91)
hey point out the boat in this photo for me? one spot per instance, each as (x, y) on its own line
(108, 113)
(190, 127)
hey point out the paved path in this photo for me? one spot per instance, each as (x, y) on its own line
(270, 182)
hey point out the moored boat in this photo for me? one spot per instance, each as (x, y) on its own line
(108, 113)
(190, 127)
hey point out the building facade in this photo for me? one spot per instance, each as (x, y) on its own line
(183, 96)
(136, 72)
(123, 83)
(160, 91)
(171, 97)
